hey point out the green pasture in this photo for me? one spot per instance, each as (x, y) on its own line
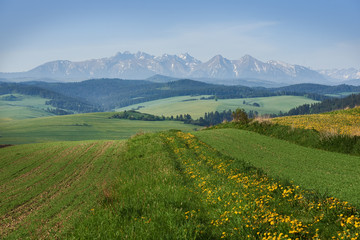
(44, 188)
(90, 126)
(22, 107)
(197, 108)
(325, 172)
(167, 185)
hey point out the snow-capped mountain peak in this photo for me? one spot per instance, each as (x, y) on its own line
(343, 74)
(141, 65)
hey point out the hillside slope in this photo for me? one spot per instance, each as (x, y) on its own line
(329, 173)
(45, 187)
(345, 122)
(77, 127)
(168, 185)
(327, 105)
(197, 106)
(19, 106)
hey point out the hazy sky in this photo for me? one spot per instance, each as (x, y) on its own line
(313, 33)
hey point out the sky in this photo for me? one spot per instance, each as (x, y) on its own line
(320, 34)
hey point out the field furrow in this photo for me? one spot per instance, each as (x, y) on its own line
(172, 185)
(63, 188)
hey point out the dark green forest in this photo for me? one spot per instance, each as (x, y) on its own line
(115, 93)
(327, 105)
(64, 104)
(97, 95)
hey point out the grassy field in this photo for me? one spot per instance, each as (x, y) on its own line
(325, 172)
(22, 107)
(168, 185)
(44, 187)
(338, 122)
(78, 127)
(197, 108)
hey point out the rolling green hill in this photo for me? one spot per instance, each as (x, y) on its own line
(196, 107)
(19, 106)
(114, 93)
(55, 99)
(89, 126)
(329, 173)
(45, 187)
(170, 185)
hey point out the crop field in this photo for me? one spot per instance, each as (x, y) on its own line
(345, 122)
(44, 187)
(168, 185)
(90, 126)
(22, 107)
(197, 108)
(326, 172)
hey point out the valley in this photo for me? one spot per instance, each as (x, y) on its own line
(89, 126)
(19, 106)
(197, 106)
(117, 174)
(179, 120)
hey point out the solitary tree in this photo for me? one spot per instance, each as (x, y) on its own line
(239, 115)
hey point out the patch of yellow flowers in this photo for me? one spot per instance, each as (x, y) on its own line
(244, 203)
(345, 122)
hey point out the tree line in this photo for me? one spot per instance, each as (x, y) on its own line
(209, 118)
(327, 105)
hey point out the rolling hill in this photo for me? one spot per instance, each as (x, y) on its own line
(345, 122)
(197, 106)
(173, 185)
(77, 127)
(19, 106)
(84, 175)
(107, 94)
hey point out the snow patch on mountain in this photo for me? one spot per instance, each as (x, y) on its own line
(141, 65)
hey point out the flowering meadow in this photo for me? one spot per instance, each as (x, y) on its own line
(345, 122)
(168, 185)
(242, 202)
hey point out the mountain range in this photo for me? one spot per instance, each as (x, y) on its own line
(218, 69)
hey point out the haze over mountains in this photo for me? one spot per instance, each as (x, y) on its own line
(218, 69)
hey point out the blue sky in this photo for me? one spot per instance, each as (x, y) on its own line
(313, 33)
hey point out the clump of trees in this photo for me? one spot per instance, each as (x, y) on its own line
(134, 115)
(239, 115)
(209, 119)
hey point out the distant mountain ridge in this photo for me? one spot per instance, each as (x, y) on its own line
(348, 74)
(141, 65)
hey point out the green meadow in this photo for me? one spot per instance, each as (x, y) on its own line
(325, 172)
(22, 106)
(197, 108)
(87, 176)
(167, 185)
(89, 126)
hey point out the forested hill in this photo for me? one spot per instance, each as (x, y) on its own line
(57, 100)
(112, 93)
(317, 88)
(327, 105)
(106, 94)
